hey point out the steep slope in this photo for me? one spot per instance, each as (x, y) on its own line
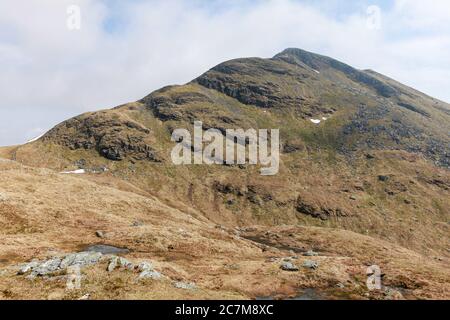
(377, 163)
(376, 112)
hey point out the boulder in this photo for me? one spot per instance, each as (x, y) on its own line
(310, 264)
(99, 234)
(137, 223)
(288, 266)
(119, 262)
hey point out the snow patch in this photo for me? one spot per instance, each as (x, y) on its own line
(79, 171)
(315, 121)
(316, 71)
(324, 118)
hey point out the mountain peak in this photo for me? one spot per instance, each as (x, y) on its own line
(296, 52)
(296, 55)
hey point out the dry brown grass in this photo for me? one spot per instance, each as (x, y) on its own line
(49, 213)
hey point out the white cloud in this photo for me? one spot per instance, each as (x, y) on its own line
(419, 14)
(48, 73)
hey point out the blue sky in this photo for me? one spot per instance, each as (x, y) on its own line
(126, 49)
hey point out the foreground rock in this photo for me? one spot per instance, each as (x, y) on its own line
(57, 264)
(119, 262)
(288, 266)
(310, 264)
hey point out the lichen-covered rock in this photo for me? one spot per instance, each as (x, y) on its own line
(150, 274)
(145, 266)
(47, 267)
(28, 267)
(57, 264)
(119, 262)
(81, 259)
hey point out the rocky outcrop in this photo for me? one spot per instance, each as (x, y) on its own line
(59, 264)
(119, 262)
(262, 83)
(112, 135)
(167, 104)
(319, 62)
(384, 127)
(318, 211)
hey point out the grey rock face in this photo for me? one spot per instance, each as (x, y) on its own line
(288, 266)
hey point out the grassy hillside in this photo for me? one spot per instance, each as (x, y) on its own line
(375, 167)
